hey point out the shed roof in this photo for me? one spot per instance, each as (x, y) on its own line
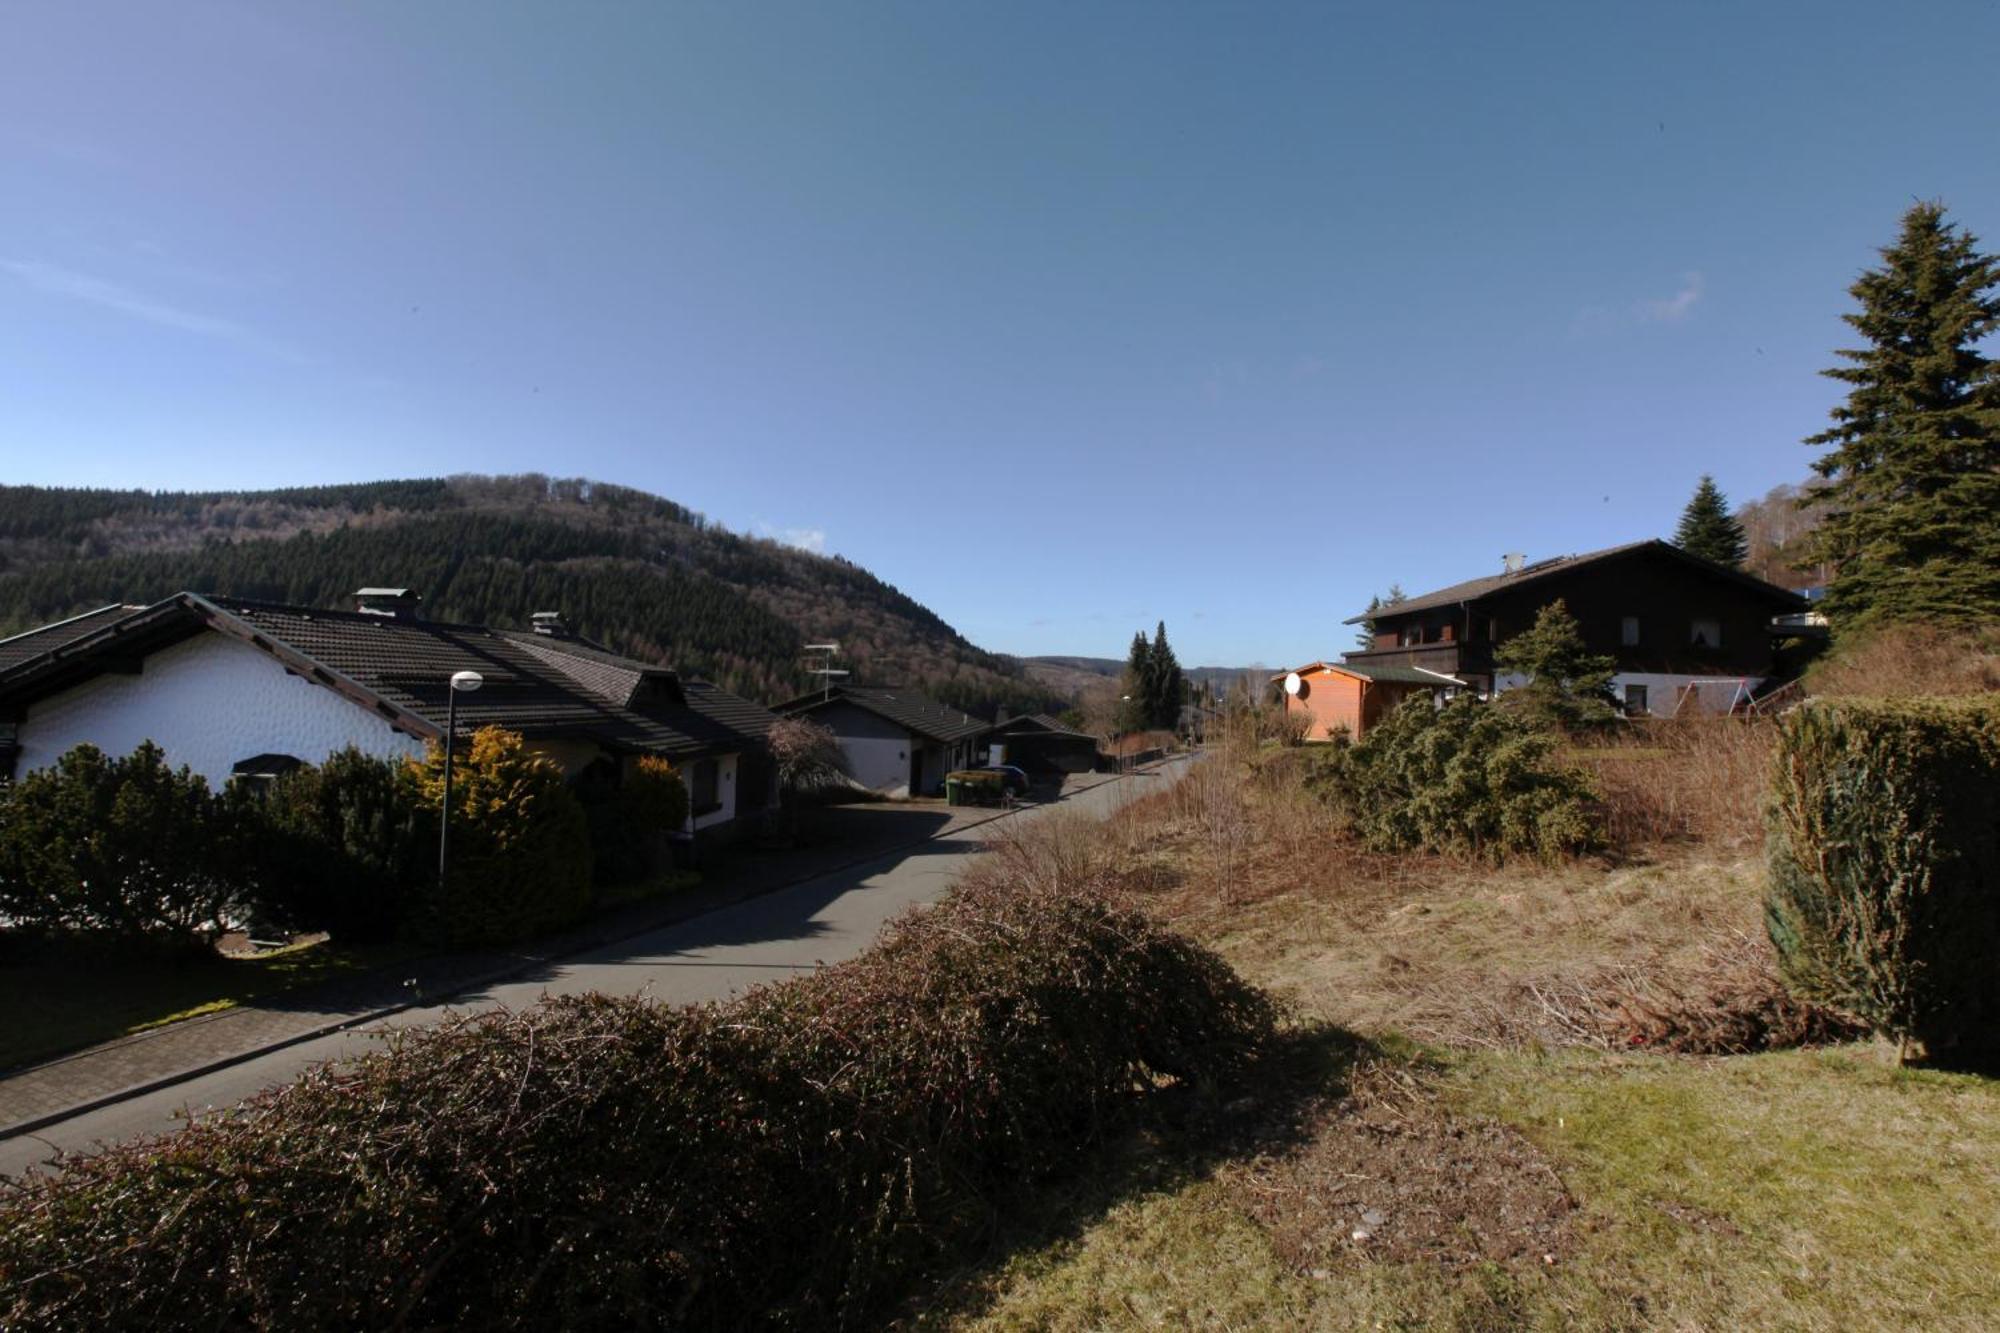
(1389, 675)
(1473, 589)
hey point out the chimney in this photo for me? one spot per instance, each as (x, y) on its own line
(1512, 561)
(394, 603)
(549, 624)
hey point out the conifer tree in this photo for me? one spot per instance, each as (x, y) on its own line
(1709, 530)
(1132, 714)
(1366, 638)
(1568, 686)
(1168, 686)
(1913, 468)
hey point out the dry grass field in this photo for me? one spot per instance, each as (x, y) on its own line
(1568, 1097)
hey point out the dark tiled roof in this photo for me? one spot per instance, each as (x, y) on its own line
(35, 642)
(599, 670)
(729, 710)
(1474, 589)
(911, 711)
(406, 663)
(1040, 724)
(618, 678)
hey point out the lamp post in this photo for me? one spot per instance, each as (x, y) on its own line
(462, 682)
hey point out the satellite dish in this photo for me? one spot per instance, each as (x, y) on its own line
(1294, 686)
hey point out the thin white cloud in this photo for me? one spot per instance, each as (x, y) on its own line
(64, 282)
(805, 539)
(1678, 306)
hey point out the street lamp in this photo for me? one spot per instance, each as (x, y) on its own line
(462, 682)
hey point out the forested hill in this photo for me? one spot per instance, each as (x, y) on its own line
(642, 574)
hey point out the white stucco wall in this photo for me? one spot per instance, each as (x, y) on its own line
(208, 702)
(1713, 694)
(1663, 689)
(725, 792)
(878, 762)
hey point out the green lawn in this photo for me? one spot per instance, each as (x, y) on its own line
(59, 1006)
(1803, 1189)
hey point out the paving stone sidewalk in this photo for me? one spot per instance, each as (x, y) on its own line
(40, 1094)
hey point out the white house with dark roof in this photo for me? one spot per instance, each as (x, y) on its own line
(228, 685)
(894, 741)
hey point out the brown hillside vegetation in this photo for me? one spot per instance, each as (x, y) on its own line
(1562, 1097)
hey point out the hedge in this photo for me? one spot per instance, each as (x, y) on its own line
(788, 1159)
(344, 847)
(1467, 777)
(1884, 847)
(120, 849)
(520, 845)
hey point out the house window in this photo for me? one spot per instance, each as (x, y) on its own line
(1413, 636)
(701, 787)
(1628, 632)
(1705, 633)
(1635, 700)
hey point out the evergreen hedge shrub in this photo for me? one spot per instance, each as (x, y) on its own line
(630, 816)
(1467, 777)
(784, 1160)
(520, 845)
(345, 847)
(125, 850)
(1884, 846)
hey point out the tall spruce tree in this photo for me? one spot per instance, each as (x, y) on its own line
(1709, 530)
(1913, 471)
(1132, 685)
(1167, 687)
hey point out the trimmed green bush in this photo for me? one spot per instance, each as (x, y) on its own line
(630, 816)
(787, 1160)
(1467, 778)
(1884, 845)
(520, 845)
(346, 847)
(124, 850)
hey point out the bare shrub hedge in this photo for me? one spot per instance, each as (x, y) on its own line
(787, 1159)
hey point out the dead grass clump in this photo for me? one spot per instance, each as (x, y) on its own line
(1389, 1174)
(1731, 1004)
(1695, 780)
(1902, 660)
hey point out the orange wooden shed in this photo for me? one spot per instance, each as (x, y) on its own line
(1337, 697)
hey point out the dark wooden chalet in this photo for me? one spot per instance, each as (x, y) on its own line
(1680, 628)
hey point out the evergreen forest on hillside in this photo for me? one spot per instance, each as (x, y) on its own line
(639, 573)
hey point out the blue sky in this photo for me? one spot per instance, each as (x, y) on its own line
(1224, 314)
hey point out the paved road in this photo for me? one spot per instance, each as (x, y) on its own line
(709, 957)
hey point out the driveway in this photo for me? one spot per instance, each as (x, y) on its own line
(710, 957)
